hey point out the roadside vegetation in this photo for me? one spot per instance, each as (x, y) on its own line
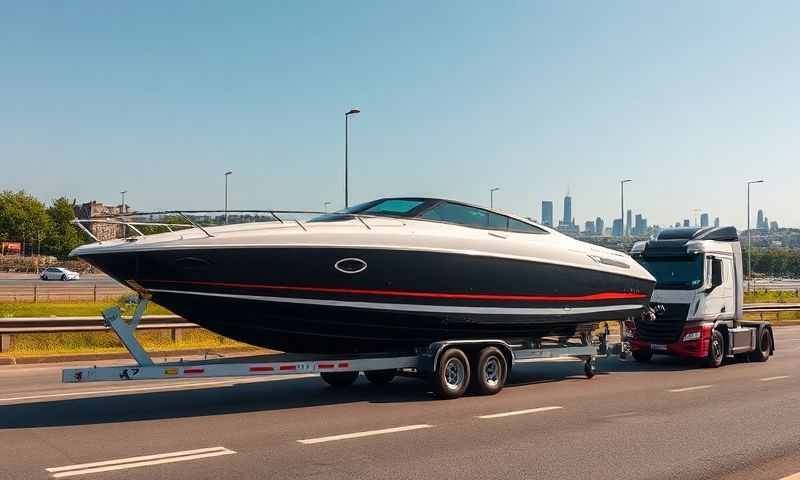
(72, 309)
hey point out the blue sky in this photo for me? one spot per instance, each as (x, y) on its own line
(689, 99)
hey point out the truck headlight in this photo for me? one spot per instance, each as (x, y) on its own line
(691, 336)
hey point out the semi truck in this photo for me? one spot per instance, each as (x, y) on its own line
(696, 308)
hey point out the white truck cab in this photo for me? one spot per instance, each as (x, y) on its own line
(697, 303)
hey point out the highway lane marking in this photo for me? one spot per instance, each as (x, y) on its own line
(518, 412)
(689, 389)
(134, 462)
(796, 476)
(182, 386)
(619, 415)
(369, 433)
(769, 379)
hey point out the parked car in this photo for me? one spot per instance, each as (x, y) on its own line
(58, 273)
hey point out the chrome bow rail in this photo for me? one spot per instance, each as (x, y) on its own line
(202, 220)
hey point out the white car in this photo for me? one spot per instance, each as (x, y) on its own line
(58, 273)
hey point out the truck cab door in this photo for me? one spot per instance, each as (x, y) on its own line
(718, 290)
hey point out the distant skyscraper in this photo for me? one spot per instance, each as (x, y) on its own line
(773, 226)
(628, 222)
(567, 210)
(588, 228)
(599, 226)
(685, 222)
(716, 222)
(704, 220)
(616, 229)
(637, 225)
(547, 213)
(760, 223)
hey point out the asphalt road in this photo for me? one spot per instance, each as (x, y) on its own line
(27, 279)
(664, 420)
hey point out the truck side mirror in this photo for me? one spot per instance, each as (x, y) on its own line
(716, 274)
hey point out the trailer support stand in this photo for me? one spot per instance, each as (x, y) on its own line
(124, 330)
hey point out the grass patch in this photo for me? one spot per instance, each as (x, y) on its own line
(40, 344)
(72, 309)
(772, 297)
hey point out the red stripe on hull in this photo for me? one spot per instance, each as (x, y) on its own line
(398, 293)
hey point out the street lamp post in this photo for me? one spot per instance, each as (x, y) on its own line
(226, 195)
(124, 210)
(750, 238)
(622, 204)
(352, 111)
(491, 196)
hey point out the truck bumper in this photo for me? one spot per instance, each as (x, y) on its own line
(693, 343)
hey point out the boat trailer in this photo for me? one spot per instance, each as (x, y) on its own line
(453, 366)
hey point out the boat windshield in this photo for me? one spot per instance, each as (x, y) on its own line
(391, 207)
(676, 273)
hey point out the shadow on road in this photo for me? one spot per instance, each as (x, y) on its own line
(272, 395)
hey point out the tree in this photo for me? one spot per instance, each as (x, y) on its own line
(63, 236)
(23, 218)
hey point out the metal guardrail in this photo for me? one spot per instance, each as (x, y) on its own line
(22, 325)
(60, 291)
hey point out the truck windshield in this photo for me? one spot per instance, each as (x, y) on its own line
(676, 273)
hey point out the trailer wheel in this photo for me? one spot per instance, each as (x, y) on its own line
(380, 377)
(763, 348)
(452, 374)
(490, 371)
(589, 369)
(716, 350)
(642, 356)
(339, 379)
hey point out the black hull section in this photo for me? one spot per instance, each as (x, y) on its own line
(295, 300)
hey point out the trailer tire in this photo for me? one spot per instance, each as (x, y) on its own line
(716, 350)
(452, 375)
(339, 379)
(763, 347)
(490, 371)
(380, 377)
(642, 356)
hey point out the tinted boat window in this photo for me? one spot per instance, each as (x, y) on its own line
(397, 206)
(522, 227)
(461, 215)
(498, 222)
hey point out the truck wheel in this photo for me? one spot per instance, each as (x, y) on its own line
(452, 374)
(763, 348)
(716, 350)
(642, 356)
(589, 369)
(339, 379)
(489, 372)
(380, 377)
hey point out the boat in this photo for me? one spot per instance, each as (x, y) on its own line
(390, 275)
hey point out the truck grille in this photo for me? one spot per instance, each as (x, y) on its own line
(667, 326)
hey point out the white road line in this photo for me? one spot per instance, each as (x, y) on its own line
(796, 476)
(186, 385)
(134, 462)
(769, 379)
(347, 436)
(519, 412)
(689, 389)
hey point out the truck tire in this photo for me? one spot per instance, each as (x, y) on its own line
(642, 356)
(339, 379)
(763, 347)
(452, 375)
(380, 377)
(716, 350)
(489, 372)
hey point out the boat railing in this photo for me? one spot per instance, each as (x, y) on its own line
(133, 225)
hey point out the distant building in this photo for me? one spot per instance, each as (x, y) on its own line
(589, 228)
(685, 222)
(677, 224)
(599, 226)
(102, 231)
(704, 220)
(716, 222)
(547, 213)
(568, 211)
(773, 227)
(629, 220)
(616, 229)
(640, 225)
